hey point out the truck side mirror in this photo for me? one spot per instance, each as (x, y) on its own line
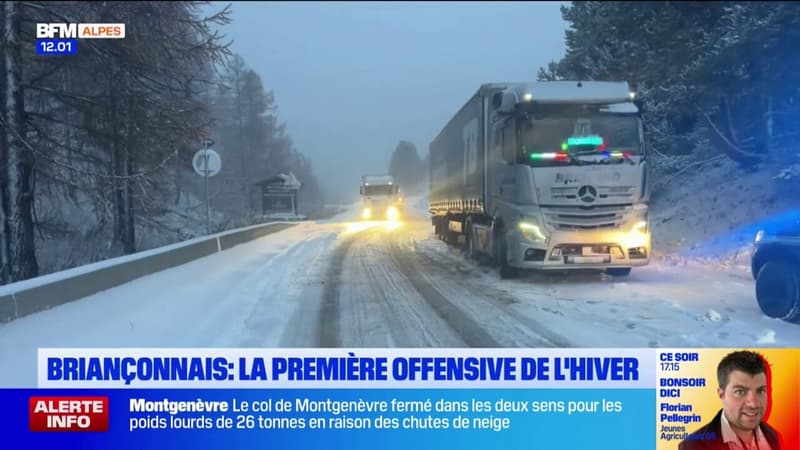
(640, 105)
(396, 189)
(361, 190)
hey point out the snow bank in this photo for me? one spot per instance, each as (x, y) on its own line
(710, 216)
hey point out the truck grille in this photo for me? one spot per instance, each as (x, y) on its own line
(621, 194)
(573, 218)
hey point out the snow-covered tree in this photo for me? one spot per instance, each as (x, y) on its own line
(406, 166)
(721, 72)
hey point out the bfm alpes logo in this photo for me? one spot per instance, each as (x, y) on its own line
(68, 413)
(62, 38)
(80, 30)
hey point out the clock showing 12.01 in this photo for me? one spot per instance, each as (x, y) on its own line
(57, 46)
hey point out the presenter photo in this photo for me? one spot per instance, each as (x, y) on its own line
(738, 425)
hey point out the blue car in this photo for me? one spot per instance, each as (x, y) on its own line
(775, 266)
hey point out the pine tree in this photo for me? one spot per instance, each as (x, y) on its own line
(406, 166)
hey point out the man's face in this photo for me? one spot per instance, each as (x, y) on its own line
(744, 399)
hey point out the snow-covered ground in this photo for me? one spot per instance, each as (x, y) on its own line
(708, 216)
(343, 282)
(204, 302)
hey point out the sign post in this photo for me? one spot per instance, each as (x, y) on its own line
(207, 163)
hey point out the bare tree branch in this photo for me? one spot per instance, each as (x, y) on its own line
(726, 140)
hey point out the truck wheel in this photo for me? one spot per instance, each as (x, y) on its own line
(619, 272)
(506, 271)
(472, 251)
(778, 290)
(441, 230)
(450, 237)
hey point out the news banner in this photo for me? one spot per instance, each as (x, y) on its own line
(618, 399)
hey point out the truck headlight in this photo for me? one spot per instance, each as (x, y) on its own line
(392, 213)
(638, 235)
(641, 222)
(366, 214)
(531, 232)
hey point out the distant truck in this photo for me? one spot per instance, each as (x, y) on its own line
(380, 197)
(545, 175)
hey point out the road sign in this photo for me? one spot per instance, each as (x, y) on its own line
(206, 162)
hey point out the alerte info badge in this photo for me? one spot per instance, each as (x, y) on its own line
(335, 398)
(723, 399)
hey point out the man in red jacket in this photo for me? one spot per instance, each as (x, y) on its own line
(742, 378)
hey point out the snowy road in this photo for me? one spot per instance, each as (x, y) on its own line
(342, 283)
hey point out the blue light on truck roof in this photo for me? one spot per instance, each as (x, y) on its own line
(616, 154)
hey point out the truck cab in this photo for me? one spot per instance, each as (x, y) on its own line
(380, 198)
(775, 266)
(575, 182)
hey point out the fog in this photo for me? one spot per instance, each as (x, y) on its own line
(353, 79)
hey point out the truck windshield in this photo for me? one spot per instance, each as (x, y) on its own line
(379, 189)
(592, 134)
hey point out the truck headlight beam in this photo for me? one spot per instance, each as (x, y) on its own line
(392, 213)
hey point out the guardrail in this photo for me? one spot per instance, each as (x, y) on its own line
(38, 294)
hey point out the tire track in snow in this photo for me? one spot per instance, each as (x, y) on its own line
(472, 332)
(372, 302)
(380, 291)
(329, 321)
(328, 326)
(259, 324)
(493, 306)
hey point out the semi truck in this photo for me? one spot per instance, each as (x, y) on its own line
(380, 198)
(545, 175)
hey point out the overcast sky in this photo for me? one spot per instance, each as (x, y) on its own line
(352, 79)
